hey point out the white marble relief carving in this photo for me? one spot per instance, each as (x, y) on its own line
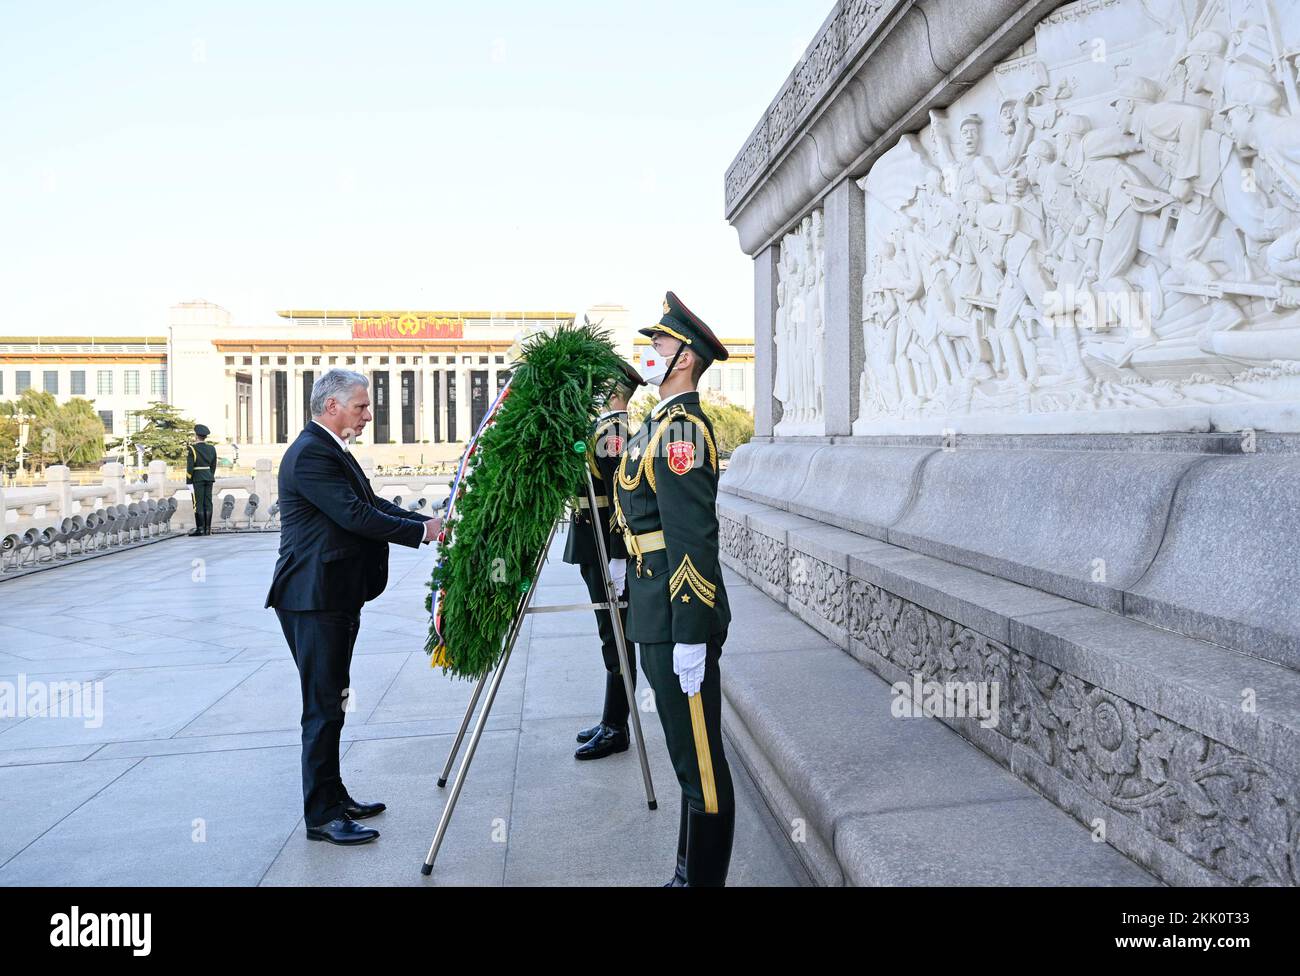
(800, 328)
(1102, 234)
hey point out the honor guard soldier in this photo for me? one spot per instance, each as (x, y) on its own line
(201, 472)
(604, 448)
(666, 490)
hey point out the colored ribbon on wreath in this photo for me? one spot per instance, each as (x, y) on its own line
(445, 537)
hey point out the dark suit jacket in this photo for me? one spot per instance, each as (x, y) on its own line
(334, 530)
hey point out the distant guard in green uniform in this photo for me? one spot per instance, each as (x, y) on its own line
(201, 472)
(604, 449)
(664, 502)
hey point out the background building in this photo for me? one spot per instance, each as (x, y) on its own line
(433, 374)
(121, 374)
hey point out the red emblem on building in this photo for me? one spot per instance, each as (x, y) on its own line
(681, 456)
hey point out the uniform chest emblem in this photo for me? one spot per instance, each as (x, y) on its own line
(614, 444)
(635, 453)
(681, 455)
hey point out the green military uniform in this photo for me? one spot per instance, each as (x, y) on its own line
(604, 447)
(603, 451)
(665, 499)
(201, 472)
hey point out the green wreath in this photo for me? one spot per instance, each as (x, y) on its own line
(527, 470)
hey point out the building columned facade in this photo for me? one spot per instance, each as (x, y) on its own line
(433, 374)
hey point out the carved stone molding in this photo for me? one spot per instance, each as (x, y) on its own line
(1230, 813)
(819, 586)
(733, 539)
(767, 559)
(1233, 815)
(812, 76)
(920, 641)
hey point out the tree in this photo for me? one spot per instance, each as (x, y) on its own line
(39, 410)
(164, 436)
(8, 441)
(71, 433)
(78, 433)
(733, 425)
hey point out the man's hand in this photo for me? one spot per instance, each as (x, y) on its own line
(618, 573)
(688, 665)
(431, 529)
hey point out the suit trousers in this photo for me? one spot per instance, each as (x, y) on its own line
(694, 740)
(321, 642)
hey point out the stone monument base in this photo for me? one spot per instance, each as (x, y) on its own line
(1131, 598)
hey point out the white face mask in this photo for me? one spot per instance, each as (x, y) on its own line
(654, 367)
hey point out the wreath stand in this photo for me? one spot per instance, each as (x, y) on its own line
(524, 607)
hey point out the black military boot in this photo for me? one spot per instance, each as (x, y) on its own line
(708, 848)
(198, 526)
(678, 880)
(207, 522)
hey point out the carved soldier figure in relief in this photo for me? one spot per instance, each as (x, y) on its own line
(800, 325)
(781, 329)
(819, 320)
(879, 377)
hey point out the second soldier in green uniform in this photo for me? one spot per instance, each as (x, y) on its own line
(665, 497)
(610, 734)
(201, 472)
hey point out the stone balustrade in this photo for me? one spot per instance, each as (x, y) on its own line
(47, 522)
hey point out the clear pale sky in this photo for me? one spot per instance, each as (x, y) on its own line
(379, 155)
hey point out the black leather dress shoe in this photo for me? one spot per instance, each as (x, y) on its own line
(344, 831)
(588, 734)
(608, 740)
(360, 811)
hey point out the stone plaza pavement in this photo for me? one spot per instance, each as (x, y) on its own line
(193, 776)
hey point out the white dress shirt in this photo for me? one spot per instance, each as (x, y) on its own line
(343, 445)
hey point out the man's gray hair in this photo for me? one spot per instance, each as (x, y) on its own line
(336, 383)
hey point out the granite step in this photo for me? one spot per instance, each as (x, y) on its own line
(873, 799)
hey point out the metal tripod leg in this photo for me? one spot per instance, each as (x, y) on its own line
(620, 641)
(464, 724)
(516, 626)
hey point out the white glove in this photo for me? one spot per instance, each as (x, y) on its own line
(618, 573)
(688, 665)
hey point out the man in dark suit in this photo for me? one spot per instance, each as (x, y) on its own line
(334, 536)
